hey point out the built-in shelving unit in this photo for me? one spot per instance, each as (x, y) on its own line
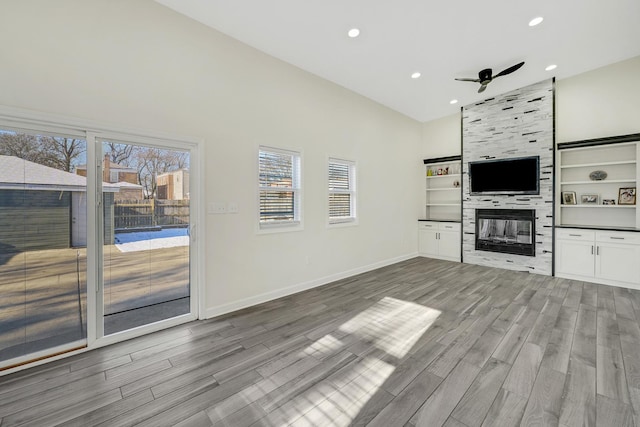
(619, 158)
(443, 180)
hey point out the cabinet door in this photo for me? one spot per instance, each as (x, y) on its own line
(575, 257)
(427, 242)
(618, 262)
(449, 244)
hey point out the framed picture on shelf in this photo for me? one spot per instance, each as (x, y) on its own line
(627, 196)
(589, 199)
(608, 202)
(568, 197)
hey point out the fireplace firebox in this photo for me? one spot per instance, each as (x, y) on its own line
(510, 231)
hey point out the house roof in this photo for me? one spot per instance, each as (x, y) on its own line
(20, 174)
(123, 184)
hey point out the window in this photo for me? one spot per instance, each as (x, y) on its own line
(279, 187)
(342, 191)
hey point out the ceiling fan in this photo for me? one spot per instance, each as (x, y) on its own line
(485, 77)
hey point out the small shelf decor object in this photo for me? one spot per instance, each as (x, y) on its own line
(627, 196)
(597, 175)
(568, 197)
(608, 202)
(589, 199)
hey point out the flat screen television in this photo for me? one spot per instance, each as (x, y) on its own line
(505, 176)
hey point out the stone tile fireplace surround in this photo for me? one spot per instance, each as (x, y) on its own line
(514, 124)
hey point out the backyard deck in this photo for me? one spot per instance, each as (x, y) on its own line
(40, 291)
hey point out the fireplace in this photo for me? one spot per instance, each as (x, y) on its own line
(510, 231)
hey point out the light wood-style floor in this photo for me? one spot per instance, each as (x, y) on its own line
(419, 343)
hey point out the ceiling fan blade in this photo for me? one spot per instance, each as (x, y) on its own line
(509, 70)
(482, 88)
(468, 80)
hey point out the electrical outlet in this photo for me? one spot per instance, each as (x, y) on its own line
(232, 207)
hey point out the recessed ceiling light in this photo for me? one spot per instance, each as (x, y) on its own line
(354, 32)
(453, 101)
(415, 75)
(551, 67)
(536, 21)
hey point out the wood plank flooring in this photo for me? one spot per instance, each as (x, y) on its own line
(419, 343)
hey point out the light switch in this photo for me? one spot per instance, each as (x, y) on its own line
(217, 208)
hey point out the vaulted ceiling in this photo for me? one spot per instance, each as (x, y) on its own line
(440, 40)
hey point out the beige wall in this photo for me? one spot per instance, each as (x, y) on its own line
(140, 65)
(441, 137)
(599, 103)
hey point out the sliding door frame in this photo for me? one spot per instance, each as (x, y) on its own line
(93, 132)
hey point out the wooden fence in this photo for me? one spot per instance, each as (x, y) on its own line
(150, 213)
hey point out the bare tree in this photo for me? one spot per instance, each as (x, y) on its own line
(55, 152)
(152, 162)
(121, 154)
(63, 151)
(24, 146)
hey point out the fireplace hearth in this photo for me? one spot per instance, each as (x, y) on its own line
(510, 231)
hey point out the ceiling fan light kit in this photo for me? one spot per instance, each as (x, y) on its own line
(485, 76)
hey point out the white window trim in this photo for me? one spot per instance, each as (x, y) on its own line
(282, 226)
(353, 184)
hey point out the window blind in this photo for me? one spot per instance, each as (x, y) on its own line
(279, 186)
(341, 190)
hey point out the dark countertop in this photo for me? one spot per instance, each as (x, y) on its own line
(440, 220)
(596, 227)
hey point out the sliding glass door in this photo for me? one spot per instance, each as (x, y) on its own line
(145, 229)
(96, 241)
(43, 229)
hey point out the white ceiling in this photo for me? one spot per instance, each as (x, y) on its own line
(441, 40)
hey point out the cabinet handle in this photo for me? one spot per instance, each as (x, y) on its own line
(597, 250)
(575, 235)
(616, 238)
(591, 249)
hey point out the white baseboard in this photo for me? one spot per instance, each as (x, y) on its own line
(270, 296)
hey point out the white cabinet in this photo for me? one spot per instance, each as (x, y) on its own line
(439, 240)
(600, 256)
(575, 253)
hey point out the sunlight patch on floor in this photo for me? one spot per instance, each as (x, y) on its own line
(392, 325)
(344, 402)
(390, 328)
(323, 347)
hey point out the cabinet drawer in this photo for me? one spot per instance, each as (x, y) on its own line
(428, 225)
(618, 237)
(449, 226)
(575, 234)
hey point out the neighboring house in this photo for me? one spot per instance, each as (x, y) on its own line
(173, 185)
(128, 191)
(124, 177)
(45, 208)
